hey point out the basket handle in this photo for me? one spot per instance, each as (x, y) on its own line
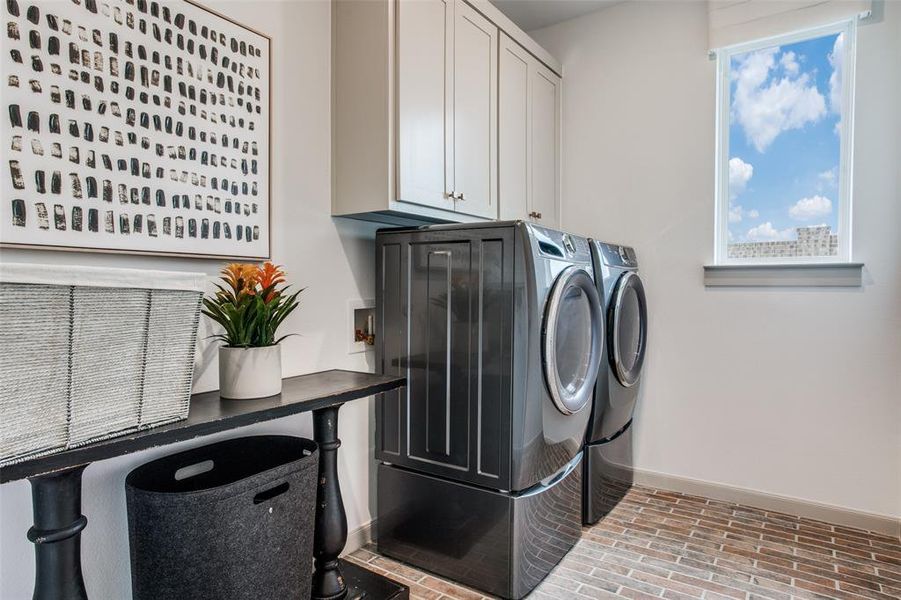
(193, 470)
(272, 492)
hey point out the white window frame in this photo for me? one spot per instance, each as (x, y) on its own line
(723, 116)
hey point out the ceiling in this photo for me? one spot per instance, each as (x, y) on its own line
(535, 14)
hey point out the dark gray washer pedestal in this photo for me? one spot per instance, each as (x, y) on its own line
(502, 544)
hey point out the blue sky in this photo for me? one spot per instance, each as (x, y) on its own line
(784, 139)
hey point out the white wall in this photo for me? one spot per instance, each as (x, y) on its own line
(334, 259)
(786, 391)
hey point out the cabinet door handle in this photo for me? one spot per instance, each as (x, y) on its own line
(450, 195)
(535, 215)
(460, 196)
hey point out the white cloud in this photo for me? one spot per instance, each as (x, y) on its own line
(767, 233)
(789, 62)
(828, 179)
(740, 173)
(836, 58)
(806, 209)
(737, 213)
(766, 106)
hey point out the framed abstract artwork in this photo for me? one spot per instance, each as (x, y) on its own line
(134, 126)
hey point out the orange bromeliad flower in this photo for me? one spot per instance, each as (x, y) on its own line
(241, 277)
(248, 306)
(269, 275)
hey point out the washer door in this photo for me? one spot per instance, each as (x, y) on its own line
(628, 329)
(573, 340)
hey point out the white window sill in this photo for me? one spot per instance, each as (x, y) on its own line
(796, 275)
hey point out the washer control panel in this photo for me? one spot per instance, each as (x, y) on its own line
(557, 244)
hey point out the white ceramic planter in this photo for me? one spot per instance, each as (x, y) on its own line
(246, 373)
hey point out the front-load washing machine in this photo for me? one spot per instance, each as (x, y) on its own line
(499, 330)
(607, 467)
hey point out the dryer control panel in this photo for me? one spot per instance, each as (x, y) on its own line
(618, 256)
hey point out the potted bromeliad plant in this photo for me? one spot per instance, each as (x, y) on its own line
(250, 307)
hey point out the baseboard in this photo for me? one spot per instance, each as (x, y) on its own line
(359, 537)
(836, 515)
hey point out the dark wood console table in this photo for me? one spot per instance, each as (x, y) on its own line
(56, 483)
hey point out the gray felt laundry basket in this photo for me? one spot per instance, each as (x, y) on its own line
(89, 353)
(232, 520)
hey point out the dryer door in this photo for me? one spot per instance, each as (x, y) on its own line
(628, 329)
(573, 340)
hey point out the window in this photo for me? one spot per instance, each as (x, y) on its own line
(784, 129)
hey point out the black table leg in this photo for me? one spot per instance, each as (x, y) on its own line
(331, 520)
(335, 578)
(56, 534)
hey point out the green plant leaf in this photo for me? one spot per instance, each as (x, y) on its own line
(247, 319)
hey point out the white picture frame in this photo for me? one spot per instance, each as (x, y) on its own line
(135, 126)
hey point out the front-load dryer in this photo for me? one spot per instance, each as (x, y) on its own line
(607, 467)
(499, 331)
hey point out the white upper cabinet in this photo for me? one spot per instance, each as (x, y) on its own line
(544, 175)
(529, 135)
(425, 99)
(475, 113)
(425, 93)
(513, 132)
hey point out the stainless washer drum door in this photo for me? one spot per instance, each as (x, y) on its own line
(573, 340)
(628, 329)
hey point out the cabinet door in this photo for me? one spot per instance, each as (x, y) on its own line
(446, 306)
(425, 42)
(475, 112)
(513, 130)
(545, 146)
(441, 284)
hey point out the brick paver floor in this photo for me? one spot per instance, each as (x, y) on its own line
(659, 544)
